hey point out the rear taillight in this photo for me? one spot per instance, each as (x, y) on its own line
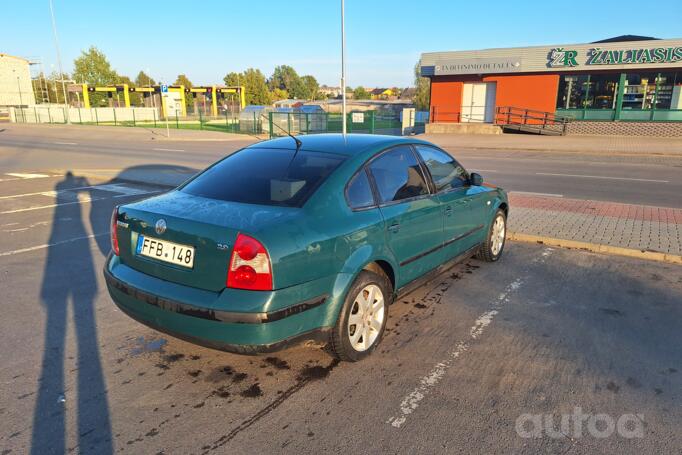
(249, 265)
(114, 235)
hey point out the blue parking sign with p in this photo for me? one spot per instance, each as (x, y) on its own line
(164, 88)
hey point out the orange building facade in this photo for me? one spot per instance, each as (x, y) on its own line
(529, 91)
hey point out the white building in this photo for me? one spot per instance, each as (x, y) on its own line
(15, 82)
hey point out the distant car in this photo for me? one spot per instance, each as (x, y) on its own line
(289, 240)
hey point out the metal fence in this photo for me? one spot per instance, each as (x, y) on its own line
(368, 122)
(254, 123)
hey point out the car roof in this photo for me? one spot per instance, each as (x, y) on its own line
(348, 145)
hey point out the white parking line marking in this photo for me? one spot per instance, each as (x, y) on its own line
(49, 193)
(531, 193)
(601, 177)
(27, 176)
(48, 245)
(81, 199)
(169, 150)
(30, 226)
(484, 170)
(66, 143)
(411, 401)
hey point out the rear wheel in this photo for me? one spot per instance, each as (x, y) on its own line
(492, 247)
(361, 323)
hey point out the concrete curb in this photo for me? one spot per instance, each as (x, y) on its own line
(597, 248)
(520, 149)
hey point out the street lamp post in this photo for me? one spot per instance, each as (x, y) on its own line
(59, 62)
(343, 66)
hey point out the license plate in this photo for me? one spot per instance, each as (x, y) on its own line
(163, 250)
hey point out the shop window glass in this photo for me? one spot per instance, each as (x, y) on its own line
(571, 91)
(602, 90)
(639, 90)
(669, 90)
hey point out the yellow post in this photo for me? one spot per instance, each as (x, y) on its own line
(214, 100)
(242, 99)
(126, 95)
(182, 99)
(86, 97)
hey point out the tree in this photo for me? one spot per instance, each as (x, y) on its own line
(311, 87)
(143, 79)
(183, 80)
(283, 77)
(360, 93)
(422, 92)
(255, 87)
(92, 67)
(286, 78)
(279, 94)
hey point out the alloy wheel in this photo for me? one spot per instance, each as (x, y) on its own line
(497, 235)
(366, 317)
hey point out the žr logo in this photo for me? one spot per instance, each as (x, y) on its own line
(560, 57)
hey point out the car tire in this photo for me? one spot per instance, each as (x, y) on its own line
(361, 324)
(493, 246)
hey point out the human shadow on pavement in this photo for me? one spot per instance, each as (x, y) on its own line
(69, 291)
(69, 288)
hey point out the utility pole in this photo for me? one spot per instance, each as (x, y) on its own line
(59, 62)
(21, 100)
(343, 66)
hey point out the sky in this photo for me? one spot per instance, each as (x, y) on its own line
(384, 39)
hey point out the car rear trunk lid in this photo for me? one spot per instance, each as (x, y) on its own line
(209, 226)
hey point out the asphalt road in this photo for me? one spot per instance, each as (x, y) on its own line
(542, 334)
(637, 179)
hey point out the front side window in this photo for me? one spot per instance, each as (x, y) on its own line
(265, 176)
(359, 193)
(445, 171)
(397, 175)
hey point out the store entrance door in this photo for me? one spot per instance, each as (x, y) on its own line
(478, 102)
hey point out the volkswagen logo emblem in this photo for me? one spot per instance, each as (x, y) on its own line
(160, 226)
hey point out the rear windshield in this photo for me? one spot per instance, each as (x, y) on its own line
(265, 176)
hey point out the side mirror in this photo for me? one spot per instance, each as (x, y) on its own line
(476, 179)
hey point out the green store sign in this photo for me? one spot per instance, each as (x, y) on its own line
(562, 58)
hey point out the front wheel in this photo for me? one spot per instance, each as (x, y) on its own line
(492, 247)
(362, 320)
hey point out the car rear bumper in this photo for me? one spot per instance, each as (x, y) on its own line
(274, 320)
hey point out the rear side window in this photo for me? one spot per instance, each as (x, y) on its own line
(265, 176)
(359, 193)
(397, 175)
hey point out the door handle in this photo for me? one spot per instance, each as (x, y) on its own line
(448, 210)
(395, 227)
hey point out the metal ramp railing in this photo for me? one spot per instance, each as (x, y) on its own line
(512, 118)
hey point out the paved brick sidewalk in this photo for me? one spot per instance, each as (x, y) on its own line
(631, 226)
(599, 145)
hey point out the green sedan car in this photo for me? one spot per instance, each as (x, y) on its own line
(303, 238)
